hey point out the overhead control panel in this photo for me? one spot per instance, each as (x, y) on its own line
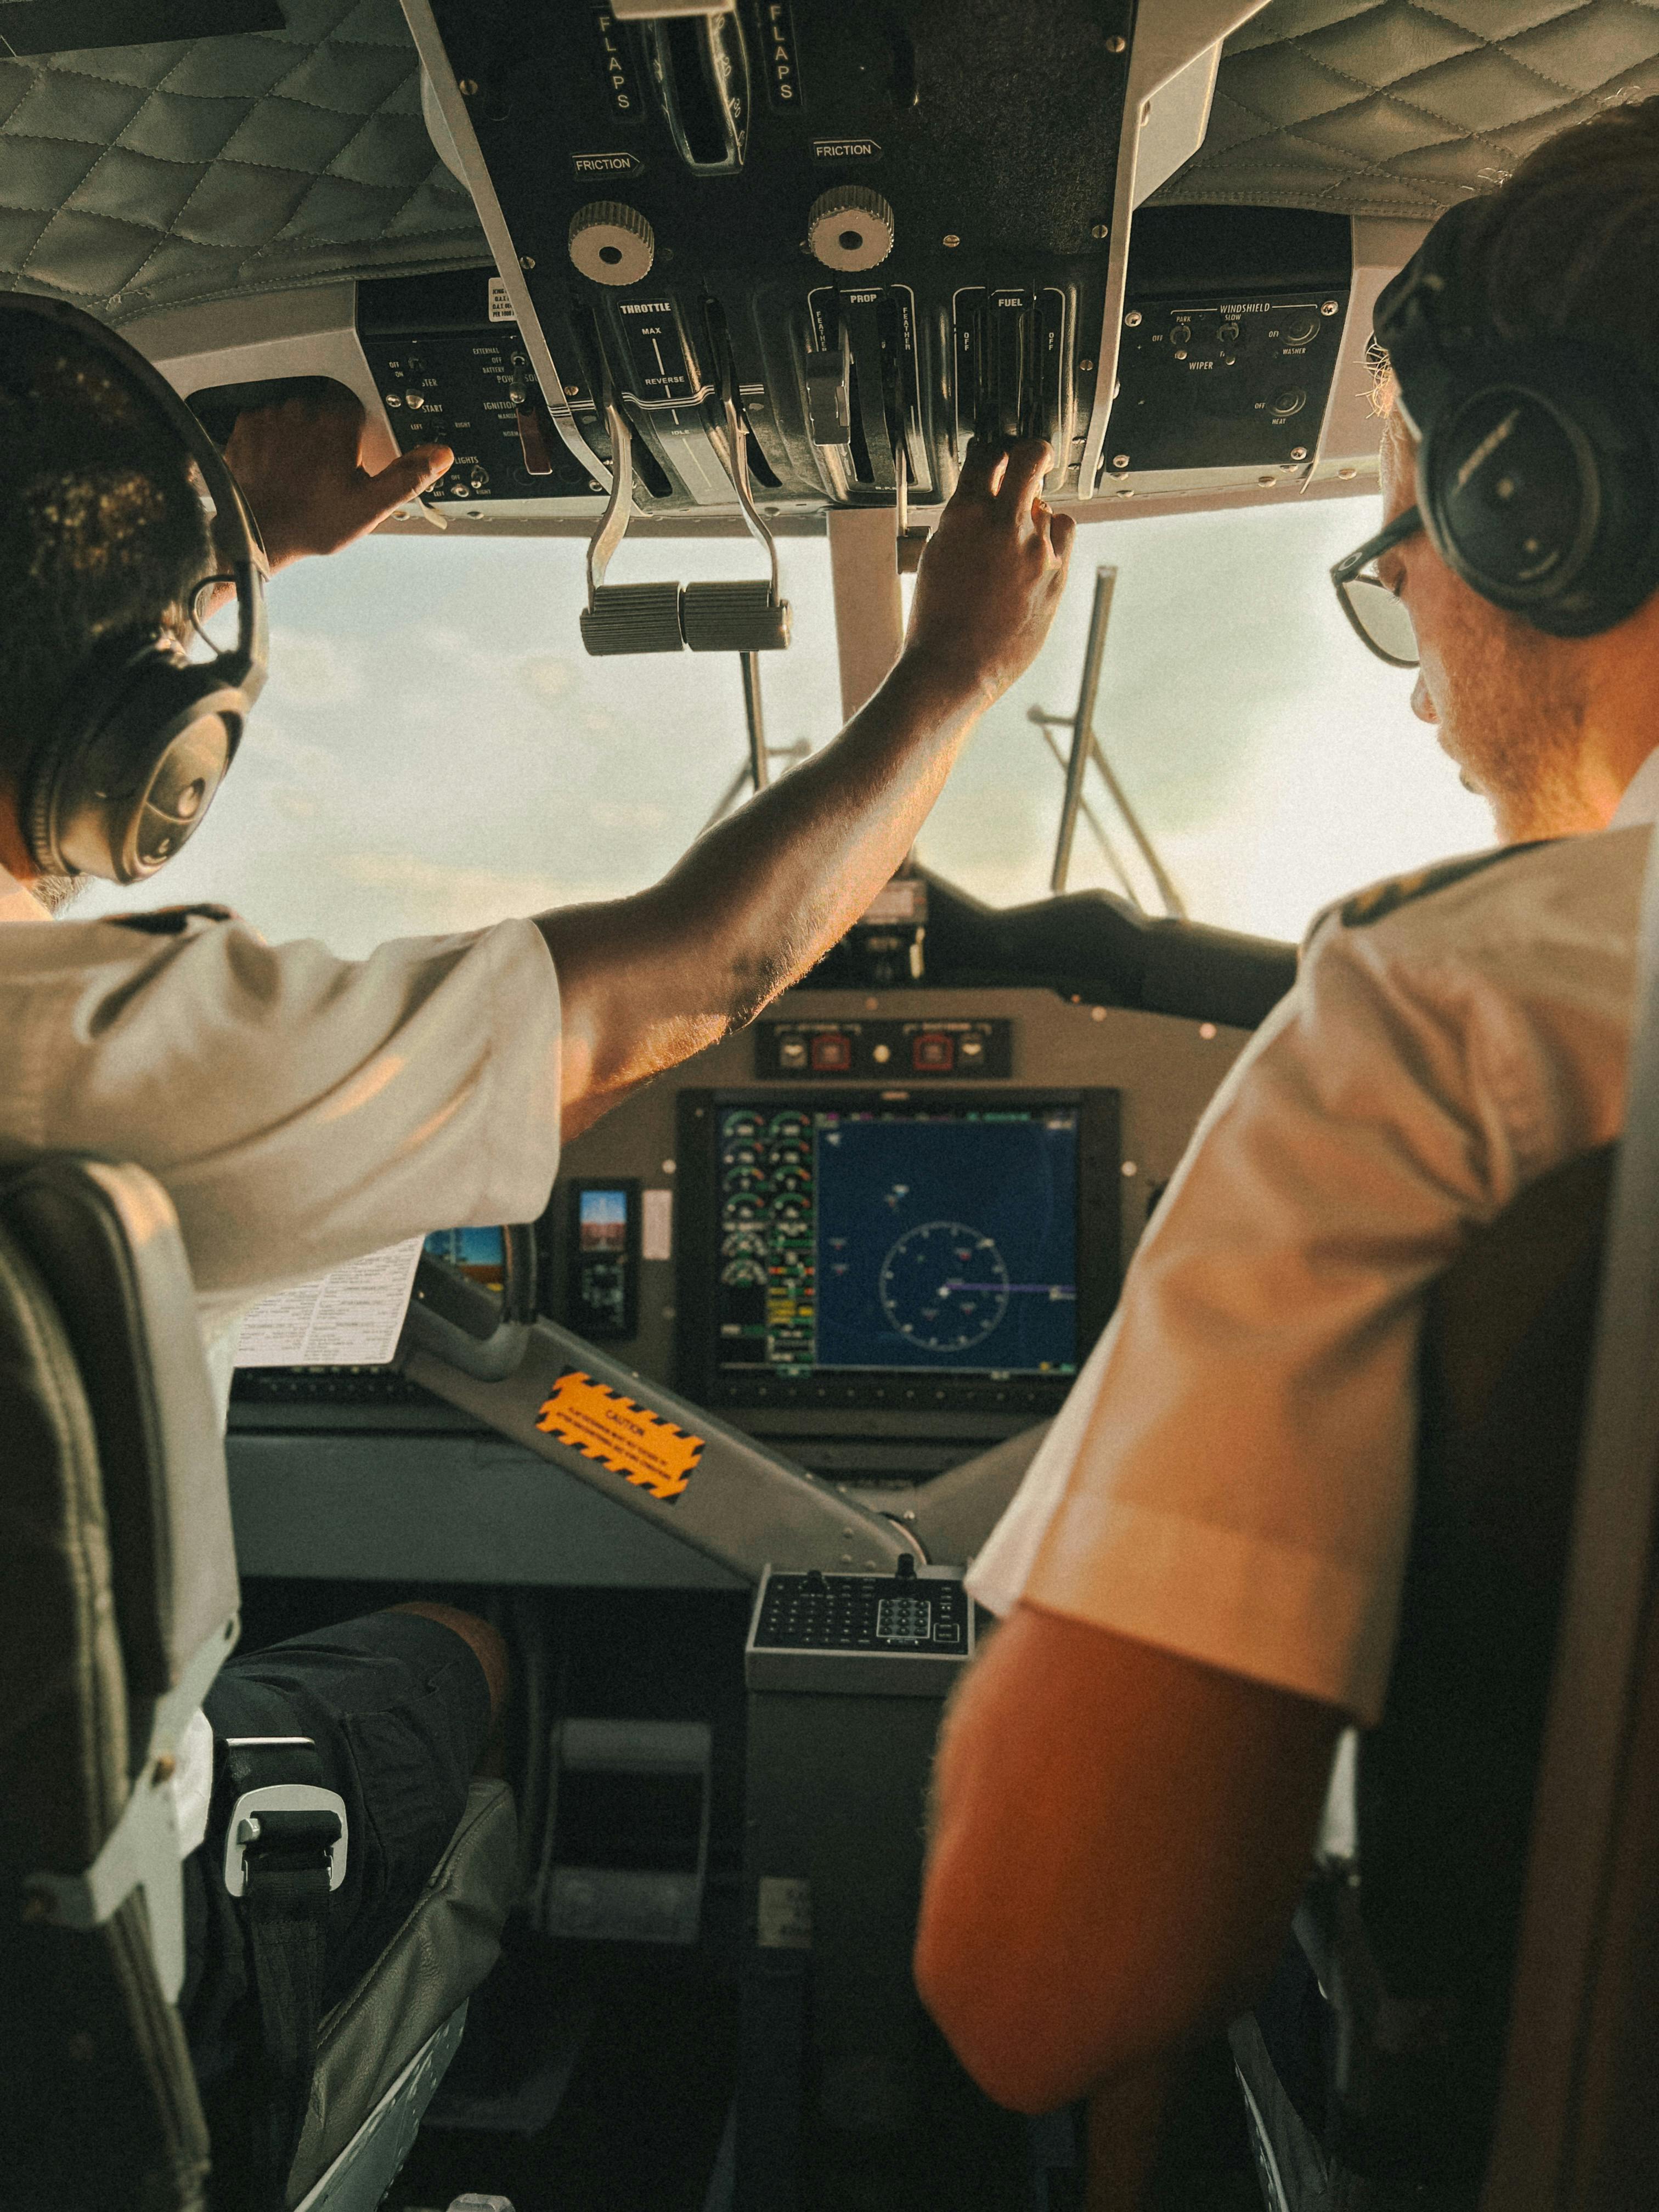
(847, 238)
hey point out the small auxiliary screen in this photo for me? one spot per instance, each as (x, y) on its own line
(862, 1245)
(477, 1253)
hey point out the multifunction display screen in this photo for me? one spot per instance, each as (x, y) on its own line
(929, 1237)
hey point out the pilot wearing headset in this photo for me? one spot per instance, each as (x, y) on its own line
(1201, 1575)
(301, 1109)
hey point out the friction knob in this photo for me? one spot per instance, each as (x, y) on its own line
(611, 242)
(850, 228)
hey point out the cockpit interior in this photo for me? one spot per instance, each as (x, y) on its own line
(707, 298)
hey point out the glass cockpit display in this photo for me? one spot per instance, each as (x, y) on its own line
(862, 1239)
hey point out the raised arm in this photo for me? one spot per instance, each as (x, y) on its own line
(646, 982)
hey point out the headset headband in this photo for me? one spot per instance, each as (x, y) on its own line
(143, 736)
(244, 664)
(1537, 455)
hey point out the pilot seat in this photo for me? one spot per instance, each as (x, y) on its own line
(118, 1602)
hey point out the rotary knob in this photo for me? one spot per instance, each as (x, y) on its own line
(612, 243)
(850, 228)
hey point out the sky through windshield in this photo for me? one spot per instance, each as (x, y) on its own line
(434, 750)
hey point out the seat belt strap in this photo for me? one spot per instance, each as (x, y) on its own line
(285, 1852)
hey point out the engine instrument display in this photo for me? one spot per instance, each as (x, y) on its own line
(861, 1246)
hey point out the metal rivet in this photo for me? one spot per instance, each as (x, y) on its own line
(1207, 1030)
(1101, 230)
(1130, 1169)
(1085, 368)
(870, 1006)
(668, 1167)
(467, 87)
(1131, 320)
(163, 1770)
(1266, 480)
(1344, 475)
(1126, 491)
(1116, 45)
(527, 261)
(1330, 307)
(1097, 1014)
(950, 239)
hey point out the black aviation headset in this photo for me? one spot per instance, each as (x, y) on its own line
(142, 742)
(1537, 459)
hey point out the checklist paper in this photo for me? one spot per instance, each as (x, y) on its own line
(350, 1317)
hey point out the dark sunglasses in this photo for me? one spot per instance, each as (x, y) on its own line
(1378, 617)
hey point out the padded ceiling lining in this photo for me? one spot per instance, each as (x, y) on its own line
(142, 176)
(147, 177)
(1396, 108)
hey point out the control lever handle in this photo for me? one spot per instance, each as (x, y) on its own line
(829, 395)
(738, 617)
(624, 618)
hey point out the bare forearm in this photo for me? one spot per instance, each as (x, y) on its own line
(647, 981)
(761, 897)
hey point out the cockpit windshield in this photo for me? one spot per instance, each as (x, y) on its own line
(435, 752)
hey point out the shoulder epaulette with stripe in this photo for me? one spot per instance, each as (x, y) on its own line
(170, 920)
(1385, 899)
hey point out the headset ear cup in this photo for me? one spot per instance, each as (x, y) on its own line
(1539, 483)
(131, 771)
(1512, 493)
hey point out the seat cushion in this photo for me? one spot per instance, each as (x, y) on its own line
(438, 1957)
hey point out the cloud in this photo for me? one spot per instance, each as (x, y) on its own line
(311, 669)
(545, 677)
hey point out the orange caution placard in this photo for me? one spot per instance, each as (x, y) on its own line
(632, 1442)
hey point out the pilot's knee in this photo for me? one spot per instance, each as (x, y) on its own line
(486, 1643)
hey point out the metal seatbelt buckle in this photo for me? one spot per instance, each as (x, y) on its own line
(278, 1810)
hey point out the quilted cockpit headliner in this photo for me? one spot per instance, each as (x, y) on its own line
(146, 176)
(142, 177)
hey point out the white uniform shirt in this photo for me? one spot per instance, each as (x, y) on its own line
(1231, 1476)
(299, 1109)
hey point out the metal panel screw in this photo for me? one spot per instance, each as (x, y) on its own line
(1085, 368)
(1131, 320)
(1120, 460)
(1330, 307)
(1345, 475)
(527, 261)
(1101, 230)
(467, 87)
(1299, 453)
(950, 239)
(1116, 45)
